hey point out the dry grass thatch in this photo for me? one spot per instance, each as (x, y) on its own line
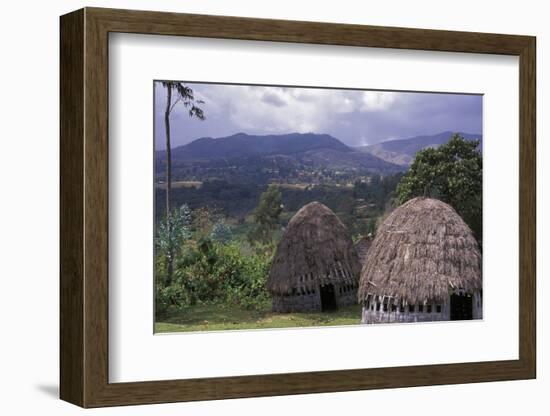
(315, 249)
(422, 251)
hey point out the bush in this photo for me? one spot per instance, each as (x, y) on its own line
(248, 287)
(165, 297)
(221, 232)
(209, 271)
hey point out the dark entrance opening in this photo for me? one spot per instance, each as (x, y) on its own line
(461, 307)
(328, 298)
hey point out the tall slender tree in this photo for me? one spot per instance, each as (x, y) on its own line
(176, 92)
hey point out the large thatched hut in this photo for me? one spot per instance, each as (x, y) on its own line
(423, 265)
(315, 267)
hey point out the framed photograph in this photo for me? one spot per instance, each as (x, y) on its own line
(255, 207)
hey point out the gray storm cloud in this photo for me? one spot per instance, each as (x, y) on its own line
(356, 117)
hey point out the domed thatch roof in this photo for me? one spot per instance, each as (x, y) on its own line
(315, 249)
(421, 251)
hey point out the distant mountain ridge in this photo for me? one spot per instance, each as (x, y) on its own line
(244, 145)
(402, 152)
(244, 157)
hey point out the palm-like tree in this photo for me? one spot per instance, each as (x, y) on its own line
(176, 92)
(185, 95)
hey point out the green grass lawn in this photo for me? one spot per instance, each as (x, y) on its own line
(224, 317)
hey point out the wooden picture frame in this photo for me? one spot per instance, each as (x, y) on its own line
(84, 207)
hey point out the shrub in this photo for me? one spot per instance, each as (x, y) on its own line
(221, 232)
(209, 271)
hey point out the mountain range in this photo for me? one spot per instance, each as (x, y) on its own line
(298, 157)
(245, 153)
(243, 145)
(402, 152)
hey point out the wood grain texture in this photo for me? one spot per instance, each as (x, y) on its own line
(71, 208)
(96, 208)
(527, 208)
(84, 207)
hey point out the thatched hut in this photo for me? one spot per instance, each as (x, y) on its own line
(423, 265)
(315, 267)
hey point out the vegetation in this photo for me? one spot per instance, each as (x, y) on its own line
(221, 261)
(451, 173)
(185, 95)
(172, 232)
(209, 267)
(214, 252)
(217, 317)
(221, 232)
(358, 204)
(267, 216)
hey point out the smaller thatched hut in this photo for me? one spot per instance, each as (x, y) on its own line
(315, 267)
(423, 265)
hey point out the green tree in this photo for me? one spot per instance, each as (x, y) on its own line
(172, 232)
(452, 173)
(267, 215)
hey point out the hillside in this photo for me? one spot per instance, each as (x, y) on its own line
(243, 145)
(402, 152)
(291, 158)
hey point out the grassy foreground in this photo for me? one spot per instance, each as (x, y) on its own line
(224, 317)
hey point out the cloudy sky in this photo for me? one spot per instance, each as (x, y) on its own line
(356, 117)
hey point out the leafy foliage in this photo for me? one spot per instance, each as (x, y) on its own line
(211, 272)
(209, 266)
(203, 222)
(186, 96)
(267, 215)
(452, 173)
(172, 232)
(221, 232)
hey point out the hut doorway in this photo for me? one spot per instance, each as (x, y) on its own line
(328, 298)
(461, 307)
